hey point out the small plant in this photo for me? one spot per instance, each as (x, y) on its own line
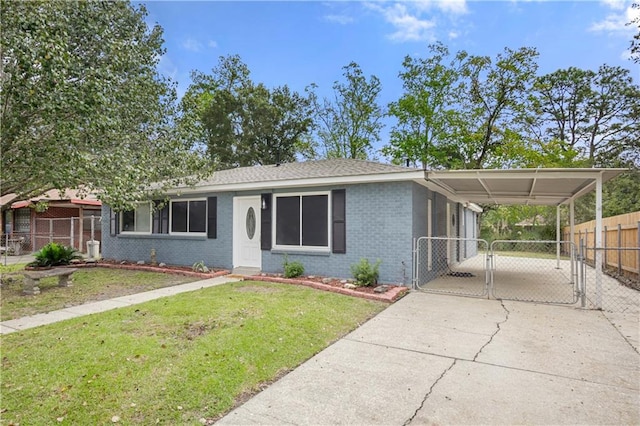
(54, 254)
(292, 269)
(200, 267)
(365, 273)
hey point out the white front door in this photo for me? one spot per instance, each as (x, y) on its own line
(246, 232)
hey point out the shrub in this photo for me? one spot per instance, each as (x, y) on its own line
(54, 254)
(200, 267)
(292, 269)
(365, 273)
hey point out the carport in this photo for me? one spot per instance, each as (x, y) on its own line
(554, 187)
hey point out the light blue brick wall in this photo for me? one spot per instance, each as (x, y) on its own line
(379, 226)
(171, 249)
(381, 221)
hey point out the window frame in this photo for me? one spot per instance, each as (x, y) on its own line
(188, 201)
(121, 220)
(300, 247)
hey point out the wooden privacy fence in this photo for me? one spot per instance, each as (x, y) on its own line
(620, 242)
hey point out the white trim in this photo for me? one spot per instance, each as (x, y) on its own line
(235, 244)
(417, 175)
(187, 233)
(121, 231)
(274, 216)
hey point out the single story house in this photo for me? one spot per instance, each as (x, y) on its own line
(61, 216)
(327, 214)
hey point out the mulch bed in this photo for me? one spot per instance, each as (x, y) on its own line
(336, 285)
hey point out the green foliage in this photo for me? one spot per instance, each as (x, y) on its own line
(365, 273)
(426, 110)
(461, 111)
(292, 269)
(200, 267)
(351, 123)
(83, 105)
(591, 114)
(54, 254)
(241, 123)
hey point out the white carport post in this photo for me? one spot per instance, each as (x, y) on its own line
(598, 242)
(558, 237)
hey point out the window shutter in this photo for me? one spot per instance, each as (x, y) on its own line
(114, 222)
(338, 220)
(265, 221)
(212, 217)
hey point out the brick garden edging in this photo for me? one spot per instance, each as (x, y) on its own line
(394, 293)
(150, 268)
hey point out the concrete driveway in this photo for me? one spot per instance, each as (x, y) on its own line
(437, 359)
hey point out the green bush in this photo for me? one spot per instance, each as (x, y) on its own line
(292, 269)
(365, 273)
(54, 254)
(200, 267)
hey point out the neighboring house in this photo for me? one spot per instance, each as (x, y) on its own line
(63, 217)
(327, 214)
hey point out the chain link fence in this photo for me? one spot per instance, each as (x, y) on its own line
(452, 266)
(535, 271)
(531, 271)
(617, 290)
(69, 231)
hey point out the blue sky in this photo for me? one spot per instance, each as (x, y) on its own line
(302, 42)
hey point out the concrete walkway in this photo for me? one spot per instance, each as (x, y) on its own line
(105, 305)
(436, 359)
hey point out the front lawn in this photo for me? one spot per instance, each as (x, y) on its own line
(184, 359)
(89, 285)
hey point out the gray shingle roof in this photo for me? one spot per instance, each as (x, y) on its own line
(339, 167)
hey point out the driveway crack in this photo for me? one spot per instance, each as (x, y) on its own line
(415, 413)
(498, 328)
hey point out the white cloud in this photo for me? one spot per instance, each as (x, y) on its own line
(339, 19)
(192, 45)
(418, 20)
(455, 7)
(614, 4)
(212, 44)
(408, 26)
(617, 21)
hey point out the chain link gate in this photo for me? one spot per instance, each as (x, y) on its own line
(529, 271)
(535, 271)
(457, 266)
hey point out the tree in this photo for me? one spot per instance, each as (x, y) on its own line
(465, 113)
(426, 111)
(635, 41)
(492, 106)
(350, 123)
(240, 123)
(83, 105)
(594, 113)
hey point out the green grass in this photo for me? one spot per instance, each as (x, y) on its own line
(89, 284)
(171, 361)
(531, 254)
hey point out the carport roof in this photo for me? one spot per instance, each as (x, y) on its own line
(518, 186)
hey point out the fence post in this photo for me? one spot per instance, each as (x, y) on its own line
(50, 230)
(619, 249)
(583, 272)
(604, 246)
(71, 233)
(638, 248)
(92, 228)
